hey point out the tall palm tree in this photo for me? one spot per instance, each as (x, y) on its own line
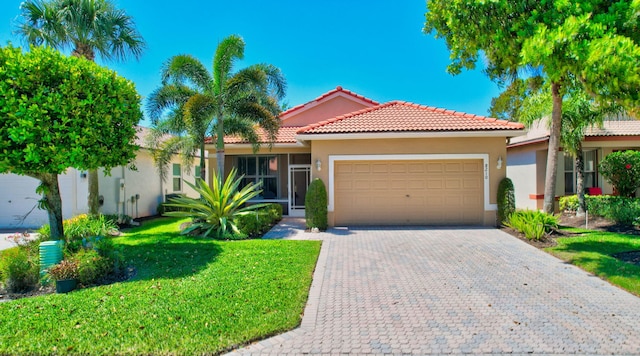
(193, 103)
(87, 27)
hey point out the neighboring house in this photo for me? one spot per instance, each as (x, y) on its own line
(382, 164)
(527, 160)
(134, 193)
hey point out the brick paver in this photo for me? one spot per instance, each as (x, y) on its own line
(454, 291)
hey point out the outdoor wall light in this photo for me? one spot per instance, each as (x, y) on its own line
(83, 174)
(499, 166)
(319, 165)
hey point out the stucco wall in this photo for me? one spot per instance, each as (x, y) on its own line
(494, 147)
(331, 108)
(521, 169)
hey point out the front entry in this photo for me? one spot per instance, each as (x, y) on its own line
(299, 180)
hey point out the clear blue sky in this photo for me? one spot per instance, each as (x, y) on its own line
(375, 48)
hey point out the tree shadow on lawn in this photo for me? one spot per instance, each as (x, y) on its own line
(605, 264)
(168, 256)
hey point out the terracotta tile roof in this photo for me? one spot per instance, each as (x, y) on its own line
(400, 116)
(286, 134)
(329, 93)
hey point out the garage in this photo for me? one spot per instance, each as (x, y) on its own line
(420, 192)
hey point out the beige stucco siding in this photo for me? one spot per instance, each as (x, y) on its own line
(426, 149)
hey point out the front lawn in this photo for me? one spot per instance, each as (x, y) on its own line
(189, 296)
(593, 250)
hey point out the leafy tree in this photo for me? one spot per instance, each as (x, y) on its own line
(87, 27)
(508, 104)
(593, 42)
(579, 112)
(622, 170)
(198, 104)
(215, 212)
(48, 106)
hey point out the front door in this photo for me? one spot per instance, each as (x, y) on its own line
(299, 180)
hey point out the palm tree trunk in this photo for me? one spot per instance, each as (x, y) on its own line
(582, 207)
(54, 203)
(552, 154)
(220, 146)
(203, 169)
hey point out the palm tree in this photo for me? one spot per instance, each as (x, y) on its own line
(87, 27)
(193, 103)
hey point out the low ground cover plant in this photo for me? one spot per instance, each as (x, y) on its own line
(190, 296)
(532, 223)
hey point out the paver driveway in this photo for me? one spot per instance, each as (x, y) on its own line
(454, 291)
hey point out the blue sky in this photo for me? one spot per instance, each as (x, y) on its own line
(374, 48)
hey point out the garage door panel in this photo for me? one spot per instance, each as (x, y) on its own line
(409, 192)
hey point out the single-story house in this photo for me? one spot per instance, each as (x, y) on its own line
(382, 164)
(527, 159)
(134, 193)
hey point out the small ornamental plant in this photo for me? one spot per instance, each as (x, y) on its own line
(622, 170)
(64, 270)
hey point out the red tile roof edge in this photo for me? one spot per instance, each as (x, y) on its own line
(331, 92)
(513, 125)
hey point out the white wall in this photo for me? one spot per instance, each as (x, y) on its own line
(521, 169)
(144, 183)
(18, 198)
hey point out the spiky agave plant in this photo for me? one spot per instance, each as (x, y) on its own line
(214, 212)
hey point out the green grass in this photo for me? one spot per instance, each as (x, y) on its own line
(592, 252)
(190, 296)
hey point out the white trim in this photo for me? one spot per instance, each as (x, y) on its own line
(295, 212)
(412, 157)
(383, 135)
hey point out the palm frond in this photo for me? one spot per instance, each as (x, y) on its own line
(39, 23)
(167, 97)
(228, 51)
(198, 116)
(186, 70)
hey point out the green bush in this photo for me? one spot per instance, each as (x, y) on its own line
(258, 222)
(532, 223)
(315, 205)
(506, 200)
(619, 209)
(622, 170)
(81, 227)
(18, 270)
(569, 203)
(275, 210)
(92, 267)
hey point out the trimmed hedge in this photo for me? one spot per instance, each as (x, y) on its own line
(506, 200)
(622, 210)
(256, 223)
(315, 205)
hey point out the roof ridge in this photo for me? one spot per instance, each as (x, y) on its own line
(344, 116)
(329, 93)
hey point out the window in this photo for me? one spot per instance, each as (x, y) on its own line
(177, 177)
(196, 171)
(590, 171)
(590, 164)
(569, 177)
(258, 169)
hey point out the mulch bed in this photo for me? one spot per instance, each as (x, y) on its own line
(591, 223)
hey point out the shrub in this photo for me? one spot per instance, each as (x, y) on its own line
(275, 210)
(81, 227)
(214, 213)
(67, 269)
(620, 209)
(622, 170)
(18, 270)
(533, 224)
(506, 200)
(258, 222)
(91, 266)
(569, 203)
(315, 205)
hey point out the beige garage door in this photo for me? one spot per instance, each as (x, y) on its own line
(408, 192)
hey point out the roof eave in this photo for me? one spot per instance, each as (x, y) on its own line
(420, 134)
